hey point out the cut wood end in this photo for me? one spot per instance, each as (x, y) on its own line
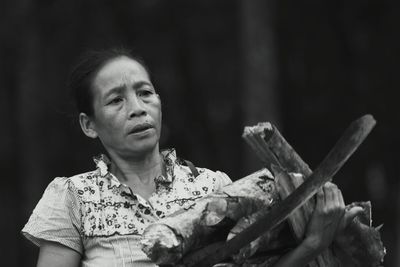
(260, 129)
(366, 122)
(369, 117)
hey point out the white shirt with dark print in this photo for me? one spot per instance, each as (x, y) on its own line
(99, 217)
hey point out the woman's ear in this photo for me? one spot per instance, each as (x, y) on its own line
(87, 125)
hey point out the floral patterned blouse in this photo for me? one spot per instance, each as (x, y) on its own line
(98, 216)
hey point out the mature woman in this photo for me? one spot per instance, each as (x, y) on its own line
(96, 218)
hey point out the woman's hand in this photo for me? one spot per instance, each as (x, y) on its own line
(321, 228)
(326, 220)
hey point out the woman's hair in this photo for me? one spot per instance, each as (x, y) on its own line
(82, 75)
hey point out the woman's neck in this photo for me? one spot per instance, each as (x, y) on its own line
(141, 169)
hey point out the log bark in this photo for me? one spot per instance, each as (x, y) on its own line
(166, 241)
(272, 148)
(277, 154)
(298, 220)
(272, 243)
(275, 151)
(343, 149)
(169, 239)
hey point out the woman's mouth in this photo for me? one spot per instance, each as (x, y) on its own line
(140, 128)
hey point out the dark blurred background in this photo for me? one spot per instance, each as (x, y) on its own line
(310, 67)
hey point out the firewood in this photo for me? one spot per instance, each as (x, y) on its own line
(193, 228)
(284, 156)
(286, 184)
(166, 241)
(343, 149)
(360, 244)
(273, 242)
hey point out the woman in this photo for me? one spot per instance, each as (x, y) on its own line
(96, 218)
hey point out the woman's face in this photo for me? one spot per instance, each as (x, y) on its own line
(127, 110)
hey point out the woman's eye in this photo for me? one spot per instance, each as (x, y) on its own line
(145, 93)
(115, 100)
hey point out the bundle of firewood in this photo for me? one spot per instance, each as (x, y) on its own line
(257, 219)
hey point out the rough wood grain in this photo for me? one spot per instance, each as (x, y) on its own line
(344, 148)
(166, 241)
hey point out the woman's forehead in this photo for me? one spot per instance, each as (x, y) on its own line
(120, 71)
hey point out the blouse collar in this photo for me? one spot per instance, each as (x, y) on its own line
(103, 164)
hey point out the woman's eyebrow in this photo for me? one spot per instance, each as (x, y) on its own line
(139, 84)
(120, 88)
(115, 90)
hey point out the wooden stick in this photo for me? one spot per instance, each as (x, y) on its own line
(280, 150)
(282, 155)
(279, 153)
(262, 150)
(344, 148)
(286, 184)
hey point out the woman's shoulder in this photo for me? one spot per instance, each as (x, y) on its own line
(76, 186)
(83, 179)
(57, 215)
(76, 180)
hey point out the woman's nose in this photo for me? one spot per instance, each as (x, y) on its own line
(136, 106)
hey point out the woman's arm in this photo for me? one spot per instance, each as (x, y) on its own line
(55, 254)
(326, 220)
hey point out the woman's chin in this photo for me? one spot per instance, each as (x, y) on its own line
(144, 147)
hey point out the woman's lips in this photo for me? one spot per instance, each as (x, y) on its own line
(140, 128)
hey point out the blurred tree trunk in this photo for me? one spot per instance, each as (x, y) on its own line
(8, 157)
(260, 96)
(29, 117)
(31, 120)
(18, 187)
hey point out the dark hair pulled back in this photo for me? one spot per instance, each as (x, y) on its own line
(83, 73)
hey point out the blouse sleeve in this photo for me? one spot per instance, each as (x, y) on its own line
(56, 217)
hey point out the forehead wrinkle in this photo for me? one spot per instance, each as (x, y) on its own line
(123, 78)
(121, 72)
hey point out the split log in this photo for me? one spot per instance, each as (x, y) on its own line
(359, 244)
(272, 148)
(351, 139)
(347, 144)
(166, 241)
(276, 153)
(188, 229)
